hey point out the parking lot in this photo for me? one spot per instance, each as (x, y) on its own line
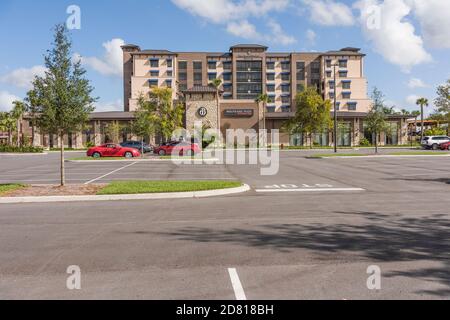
(311, 231)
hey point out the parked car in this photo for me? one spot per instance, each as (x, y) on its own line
(112, 150)
(445, 146)
(178, 148)
(137, 145)
(434, 142)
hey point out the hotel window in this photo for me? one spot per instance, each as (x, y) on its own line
(331, 85)
(342, 63)
(154, 63)
(343, 74)
(270, 65)
(301, 71)
(227, 76)
(182, 87)
(352, 106)
(346, 85)
(212, 76)
(270, 88)
(227, 96)
(182, 76)
(328, 62)
(329, 74)
(285, 65)
(286, 99)
(227, 65)
(270, 109)
(169, 83)
(170, 74)
(153, 83)
(227, 88)
(285, 108)
(249, 66)
(331, 95)
(198, 78)
(182, 65)
(346, 95)
(285, 76)
(154, 74)
(197, 65)
(271, 77)
(338, 105)
(315, 68)
(285, 88)
(212, 65)
(169, 63)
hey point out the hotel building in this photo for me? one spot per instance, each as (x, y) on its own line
(246, 71)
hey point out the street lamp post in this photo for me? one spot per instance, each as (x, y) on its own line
(335, 110)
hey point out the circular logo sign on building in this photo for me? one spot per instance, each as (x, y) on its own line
(202, 112)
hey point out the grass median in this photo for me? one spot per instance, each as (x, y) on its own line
(143, 187)
(4, 188)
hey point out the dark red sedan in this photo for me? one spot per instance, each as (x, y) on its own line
(445, 146)
(178, 149)
(112, 150)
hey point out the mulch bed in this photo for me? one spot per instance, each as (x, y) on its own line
(52, 190)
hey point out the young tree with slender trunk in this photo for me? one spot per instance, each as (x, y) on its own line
(422, 102)
(264, 99)
(216, 83)
(64, 93)
(17, 114)
(376, 119)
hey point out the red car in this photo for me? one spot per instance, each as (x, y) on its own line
(112, 150)
(178, 149)
(445, 146)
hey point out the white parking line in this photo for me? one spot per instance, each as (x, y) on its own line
(237, 286)
(110, 173)
(310, 190)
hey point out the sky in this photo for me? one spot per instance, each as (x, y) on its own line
(407, 42)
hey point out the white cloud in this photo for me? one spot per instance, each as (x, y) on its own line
(111, 64)
(412, 99)
(416, 83)
(109, 106)
(23, 77)
(244, 29)
(311, 36)
(395, 37)
(434, 18)
(235, 14)
(6, 100)
(222, 11)
(330, 13)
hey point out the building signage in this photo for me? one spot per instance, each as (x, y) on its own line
(238, 113)
(202, 112)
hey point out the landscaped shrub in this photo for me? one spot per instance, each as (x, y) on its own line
(364, 142)
(23, 149)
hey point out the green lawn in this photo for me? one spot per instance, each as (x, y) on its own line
(10, 187)
(140, 187)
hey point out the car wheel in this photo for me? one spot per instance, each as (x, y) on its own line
(96, 155)
(162, 153)
(128, 155)
(435, 146)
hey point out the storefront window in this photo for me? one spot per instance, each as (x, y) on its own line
(321, 139)
(391, 133)
(344, 134)
(296, 140)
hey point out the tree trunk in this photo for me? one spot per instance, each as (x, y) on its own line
(33, 130)
(376, 142)
(63, 176)
(10, 142)
(18, 133)
(421, 129)
(142, 147)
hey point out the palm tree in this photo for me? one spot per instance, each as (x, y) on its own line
(264, 98)
(17, 113)
(216, 83)
(422, 102)
(415, 114)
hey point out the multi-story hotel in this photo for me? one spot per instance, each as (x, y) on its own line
(246, 71)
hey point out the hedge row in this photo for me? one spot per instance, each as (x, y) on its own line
(23, 149)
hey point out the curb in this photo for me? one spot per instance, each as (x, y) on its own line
(24, 154)
(386, 156)
(145, 160)
(124, 197)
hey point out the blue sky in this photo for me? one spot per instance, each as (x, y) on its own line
(407, 54)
